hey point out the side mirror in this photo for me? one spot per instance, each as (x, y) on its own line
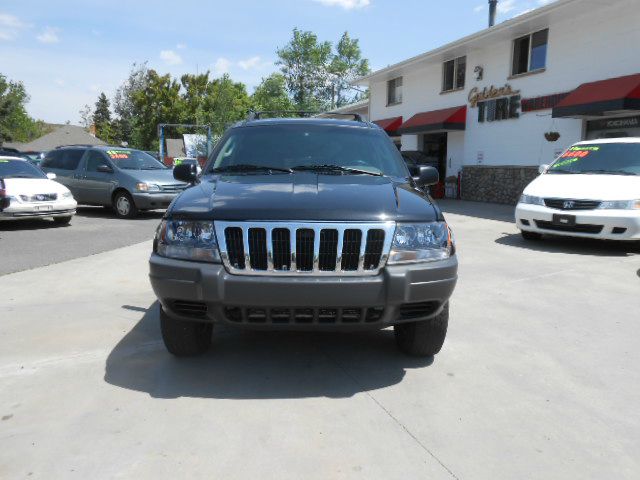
(51, 176)
(185, 172)
(4, 203)
(104, 169)
(414, 170)
(542, 168)
(426, 176)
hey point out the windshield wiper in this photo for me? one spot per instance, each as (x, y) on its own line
(245, 167)
(335, 168)
(609, 172)
(559, 170)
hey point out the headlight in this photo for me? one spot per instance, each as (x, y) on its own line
(421, 242)
(531, 200)
(67, 195)
(147, 187)
(621, 205)
(188, 240)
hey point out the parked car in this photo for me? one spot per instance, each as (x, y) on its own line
(304, 224)
(591, 190)
(123, 178)
(26, 192)
(34, 157)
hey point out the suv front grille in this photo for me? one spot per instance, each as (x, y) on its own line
(278, 248)
(569, 204)
(303, 315)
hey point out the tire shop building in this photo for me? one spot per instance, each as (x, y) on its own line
(490, 108)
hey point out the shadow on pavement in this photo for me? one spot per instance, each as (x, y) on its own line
(571, 245)
(34, 224)
(258, 365)
(488, 211)
(104, 212)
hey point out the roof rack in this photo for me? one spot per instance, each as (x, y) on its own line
(77, 145)
(257, 115)
(356, 116)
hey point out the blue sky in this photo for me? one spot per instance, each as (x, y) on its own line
(66, 52)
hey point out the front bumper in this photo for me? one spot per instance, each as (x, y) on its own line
(207, 292)
(602, 224)
(150, 201)
(19, 210)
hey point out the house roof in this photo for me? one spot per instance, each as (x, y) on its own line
(519, 25)
(62, 135)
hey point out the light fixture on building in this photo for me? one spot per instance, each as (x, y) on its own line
(552, 136)
(479, 71)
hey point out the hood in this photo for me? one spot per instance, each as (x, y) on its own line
(304, 196)
(160, 177)
(32, 186)
(587, 187)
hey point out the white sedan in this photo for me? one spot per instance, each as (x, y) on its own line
(27, 192)
(592, 190)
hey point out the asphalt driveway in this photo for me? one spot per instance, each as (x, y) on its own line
(539, 376)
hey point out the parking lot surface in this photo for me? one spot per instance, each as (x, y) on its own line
(35, 243)
(539, 377)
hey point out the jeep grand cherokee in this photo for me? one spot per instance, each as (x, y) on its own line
(304, 223)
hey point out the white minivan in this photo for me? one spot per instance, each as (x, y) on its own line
(592, 190)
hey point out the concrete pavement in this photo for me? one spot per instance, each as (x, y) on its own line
(539, 377)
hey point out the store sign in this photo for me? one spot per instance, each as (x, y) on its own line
(495, 103)
(615, 123)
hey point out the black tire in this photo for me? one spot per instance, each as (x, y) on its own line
(124, 206)
(423, 338)
(530, 235)
(62, 220)
(184, 338)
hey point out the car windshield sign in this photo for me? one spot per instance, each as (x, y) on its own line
(603, 158)
(134, 160)
(19, 169)
(319, 149)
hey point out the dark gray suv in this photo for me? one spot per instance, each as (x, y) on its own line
(304, 224)
(126, 179)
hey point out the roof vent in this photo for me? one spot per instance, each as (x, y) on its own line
(493, 6)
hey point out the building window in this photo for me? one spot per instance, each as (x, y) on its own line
(453, 74)
(530, 52)
(394, 91)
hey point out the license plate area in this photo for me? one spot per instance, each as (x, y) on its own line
(563, 220)
(43, 208)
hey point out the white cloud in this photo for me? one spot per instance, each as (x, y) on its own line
(545, 2)
(249, 63)
(505, 6)
(170, 57)
(59, 82)
(479, 8)
(181, 46)
(49, 35)
(95, 88)
(221, 66)
(10, 25)
(346, 4)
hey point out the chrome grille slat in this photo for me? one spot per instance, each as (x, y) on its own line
(304, 248)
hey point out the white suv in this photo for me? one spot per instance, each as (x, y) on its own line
(591, 190)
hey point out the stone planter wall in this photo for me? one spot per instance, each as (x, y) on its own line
(502, 184)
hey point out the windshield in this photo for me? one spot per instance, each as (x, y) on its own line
(291, 146)
(605, 158)
(19, 169)
(134, 160)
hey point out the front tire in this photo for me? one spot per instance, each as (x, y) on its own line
(425, 337)
(62, 220)
(124, 205)
(183, 338)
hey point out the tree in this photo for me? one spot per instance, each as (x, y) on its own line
(347, 65)
(123, 102)
(15, 123)
(304, 63)
(271, 94)
(86, 116)
(227, 102)
(158, 102)
(102, 119)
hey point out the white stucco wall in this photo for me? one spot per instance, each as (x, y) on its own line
(584, 45)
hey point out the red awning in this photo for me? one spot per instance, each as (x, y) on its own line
(615, 95)
(389, 125)
(447, 119)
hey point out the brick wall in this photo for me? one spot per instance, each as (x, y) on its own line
(496, 184)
